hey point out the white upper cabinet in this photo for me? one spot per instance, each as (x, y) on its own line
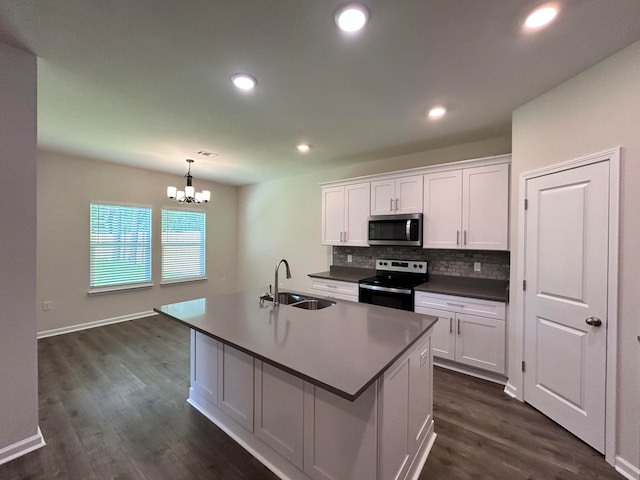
(467, 208)
(344, 214)
(396, 195)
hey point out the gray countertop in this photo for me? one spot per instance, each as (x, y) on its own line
(487, 289)
(343, 348)
(345, 274)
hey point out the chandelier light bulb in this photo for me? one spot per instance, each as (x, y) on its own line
(171, 192)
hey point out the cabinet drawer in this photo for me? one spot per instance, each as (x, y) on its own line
(451, 303)
(335, 289)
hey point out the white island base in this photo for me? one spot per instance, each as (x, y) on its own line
(301, 431)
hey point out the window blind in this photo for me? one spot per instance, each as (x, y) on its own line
(183, 245)
(120, 246)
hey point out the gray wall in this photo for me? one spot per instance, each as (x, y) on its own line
(18, 353)
(595, 111)
(66, 185)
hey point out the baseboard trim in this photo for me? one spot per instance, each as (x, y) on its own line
(22, 447)
(473, 372)
(511, 390)
(627, 469)
(97, 323)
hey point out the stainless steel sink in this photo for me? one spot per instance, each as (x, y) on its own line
(305, 302)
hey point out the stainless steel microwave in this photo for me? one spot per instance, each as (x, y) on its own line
(396, 230)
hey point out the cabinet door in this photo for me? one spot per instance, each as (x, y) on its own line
(485, 212)
(442, 210)
(279, 411)
(356, 211)
(235, 385)
(480, 342)
(332, 215)
(442, 337)
(382, 196)
(408, 193)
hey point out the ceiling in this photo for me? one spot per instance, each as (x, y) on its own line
(147, 82)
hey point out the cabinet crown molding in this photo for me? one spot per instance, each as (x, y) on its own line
(441, 167)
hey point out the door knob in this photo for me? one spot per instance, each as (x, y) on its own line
(593, 321)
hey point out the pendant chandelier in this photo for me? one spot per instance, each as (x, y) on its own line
(189, 194)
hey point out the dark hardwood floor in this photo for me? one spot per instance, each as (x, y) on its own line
(112, 405)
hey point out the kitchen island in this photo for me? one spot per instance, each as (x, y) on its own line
(343, 392)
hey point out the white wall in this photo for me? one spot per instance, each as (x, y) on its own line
(66, 185)
(595, 111)
(281, 218)
(18, 349)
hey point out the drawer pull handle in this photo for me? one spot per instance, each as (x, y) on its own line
(332, 286)
(460, 305)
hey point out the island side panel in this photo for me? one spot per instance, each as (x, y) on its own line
(204, 369)
(340, 436)
(279, 400)
(236, 384)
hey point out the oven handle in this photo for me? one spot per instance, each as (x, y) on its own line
(408, 230)
(386, 289)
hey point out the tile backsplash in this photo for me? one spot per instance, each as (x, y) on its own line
(458, 263)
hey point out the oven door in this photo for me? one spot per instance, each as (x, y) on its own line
(400, 298)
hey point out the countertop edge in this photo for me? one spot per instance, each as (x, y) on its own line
(296, 373)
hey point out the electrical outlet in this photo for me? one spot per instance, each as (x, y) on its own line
(349, 258)
(476, 266)
(47, 305)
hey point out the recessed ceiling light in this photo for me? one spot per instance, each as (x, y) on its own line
(352, 18)
(303, 147)
(244, 81)
(541, 17)
(437, 112)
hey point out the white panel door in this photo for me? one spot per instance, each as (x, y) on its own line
(442, 210)
(382, 197)
(409, 194)
(566, 296)
(485, 207)
(332, 215)
(356, 212)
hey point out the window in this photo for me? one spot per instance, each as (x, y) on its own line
(183, 245)
(120, 247)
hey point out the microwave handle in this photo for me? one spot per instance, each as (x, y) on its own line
(408, 230)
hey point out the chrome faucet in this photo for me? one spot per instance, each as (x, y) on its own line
(276, 291)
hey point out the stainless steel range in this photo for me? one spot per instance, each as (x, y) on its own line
(393, 284)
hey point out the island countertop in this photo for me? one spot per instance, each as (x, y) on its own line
(343, 348)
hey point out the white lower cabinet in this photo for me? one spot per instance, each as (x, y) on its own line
(476, 339)
(334, 289)
(304, 432)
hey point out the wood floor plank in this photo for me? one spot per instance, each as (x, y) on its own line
(113, 405)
